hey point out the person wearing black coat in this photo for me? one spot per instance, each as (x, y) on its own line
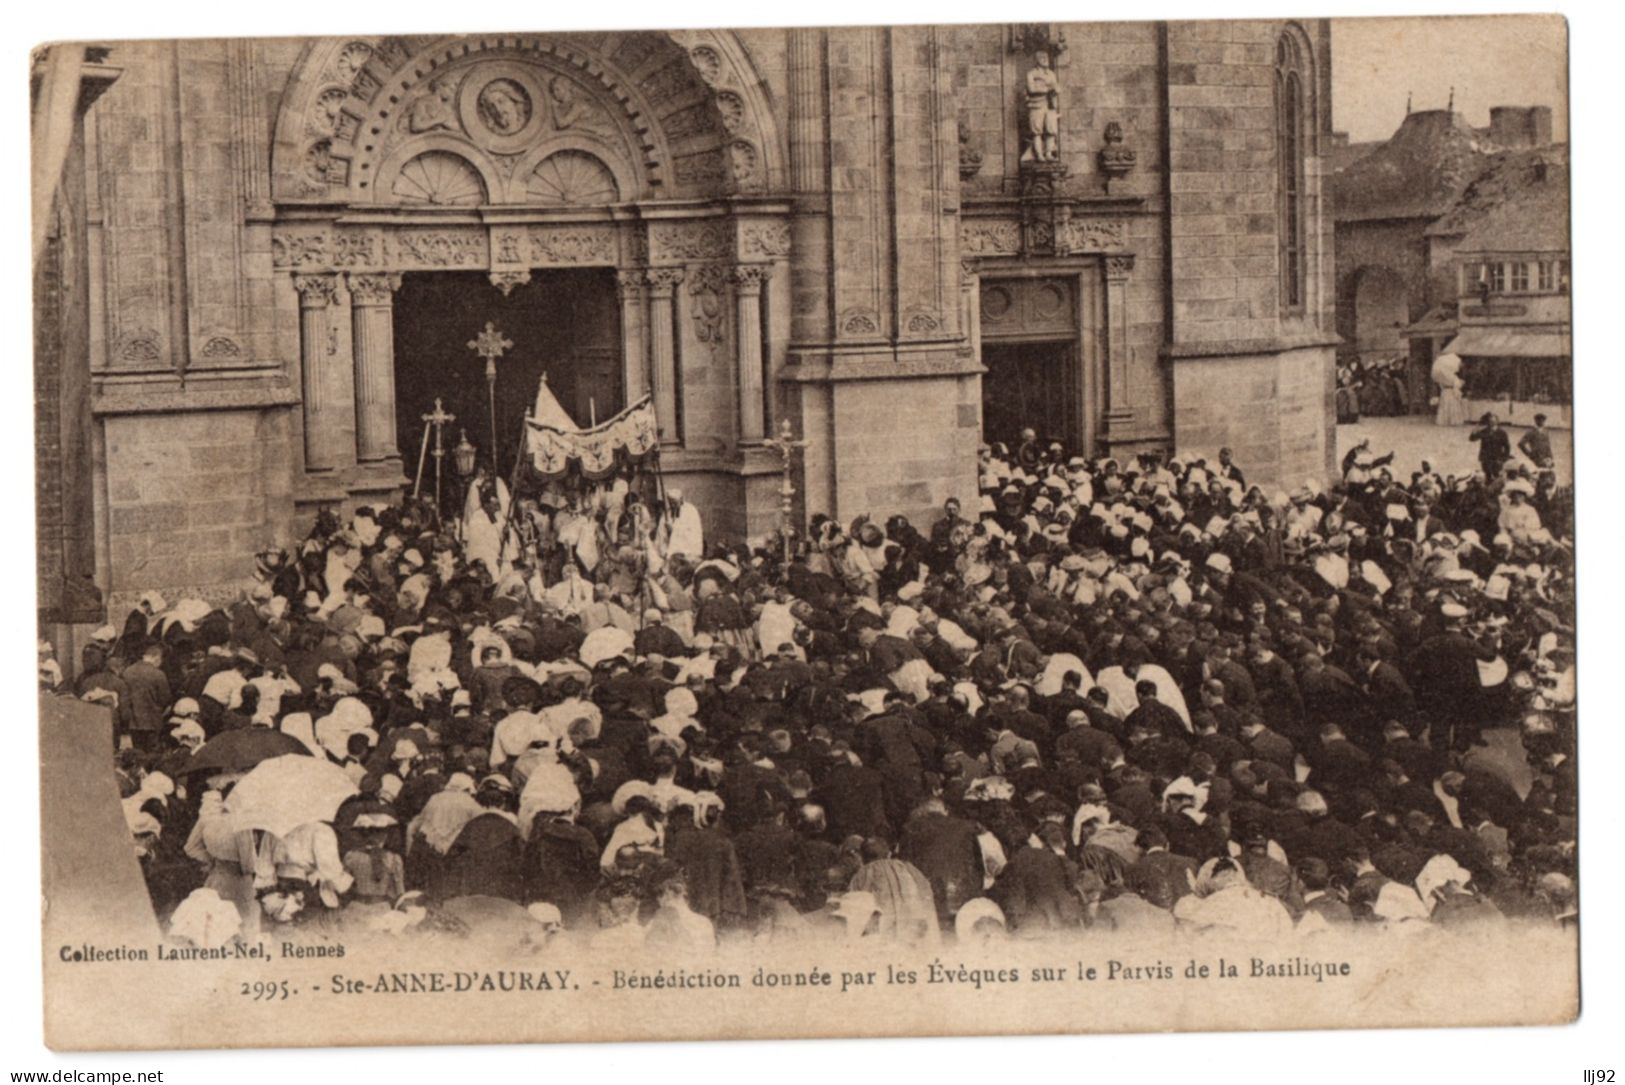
(1154, 716)
(658, 639)
(946, 850)
(1390, 695)
(559, 865)
(1445, 668)
(484, 860)
(1037, 887)
(1160, 876)
(853, 797)
(1494, 448)
(1279, 698)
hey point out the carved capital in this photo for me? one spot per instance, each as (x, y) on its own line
(1119, 267)
(663, 280)
(506, 280)
(629, 283)
(316, 291)
(373, 289)
(748, 278)
(969, 273)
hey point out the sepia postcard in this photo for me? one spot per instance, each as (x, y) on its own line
(805, 532)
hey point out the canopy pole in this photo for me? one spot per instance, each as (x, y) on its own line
(423, 459)
(660, 483)
(513, 483)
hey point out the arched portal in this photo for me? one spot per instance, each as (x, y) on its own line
(592, 181)
(1381, 311)
(678, 115)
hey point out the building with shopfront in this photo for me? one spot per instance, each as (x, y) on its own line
(897, 242)
(1436, 226)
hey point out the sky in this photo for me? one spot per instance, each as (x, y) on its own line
(1490, 60)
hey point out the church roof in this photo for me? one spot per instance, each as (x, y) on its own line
(1416, 174)
(1344, 155)
(1519, 203)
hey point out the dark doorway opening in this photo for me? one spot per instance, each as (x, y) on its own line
(565, 324)
(1031, 384)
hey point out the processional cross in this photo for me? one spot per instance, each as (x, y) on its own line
(786, 445)
(490, 344)
(436, 421)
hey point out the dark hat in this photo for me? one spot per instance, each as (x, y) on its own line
(519, 688)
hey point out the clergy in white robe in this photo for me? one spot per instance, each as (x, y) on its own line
(483, 523)
(687, 531)
(572, 594)
(775, 626)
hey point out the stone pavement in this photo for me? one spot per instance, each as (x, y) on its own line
(1414, 439)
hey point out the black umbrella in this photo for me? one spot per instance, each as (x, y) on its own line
(242, 749)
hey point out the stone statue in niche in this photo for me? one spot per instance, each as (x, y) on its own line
(1043, 110)
(435, 108)
(970, 156)
(504, 107)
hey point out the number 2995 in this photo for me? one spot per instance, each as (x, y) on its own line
(265, 990)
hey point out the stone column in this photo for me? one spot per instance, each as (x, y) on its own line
(1119, 412)
(316, 293)
(748, 280)
(372, 299)
(809, 273)
(662, 352)
(629, 287)
(970, 290)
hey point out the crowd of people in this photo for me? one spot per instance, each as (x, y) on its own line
(1114, 695)
(1378, 387)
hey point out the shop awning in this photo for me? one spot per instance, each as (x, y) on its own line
(1485, 342)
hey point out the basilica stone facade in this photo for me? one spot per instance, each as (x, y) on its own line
(899, 241)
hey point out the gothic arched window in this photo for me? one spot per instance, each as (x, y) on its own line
(1291, 95)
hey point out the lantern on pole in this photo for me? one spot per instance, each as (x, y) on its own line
(462, 457)
(462, 463)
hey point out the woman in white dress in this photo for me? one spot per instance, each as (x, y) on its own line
(1447, 375)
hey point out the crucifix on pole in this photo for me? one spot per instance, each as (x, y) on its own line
(436, 421)
(786, 444)
(490, 345)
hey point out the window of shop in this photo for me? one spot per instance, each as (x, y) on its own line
(1522, 380)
